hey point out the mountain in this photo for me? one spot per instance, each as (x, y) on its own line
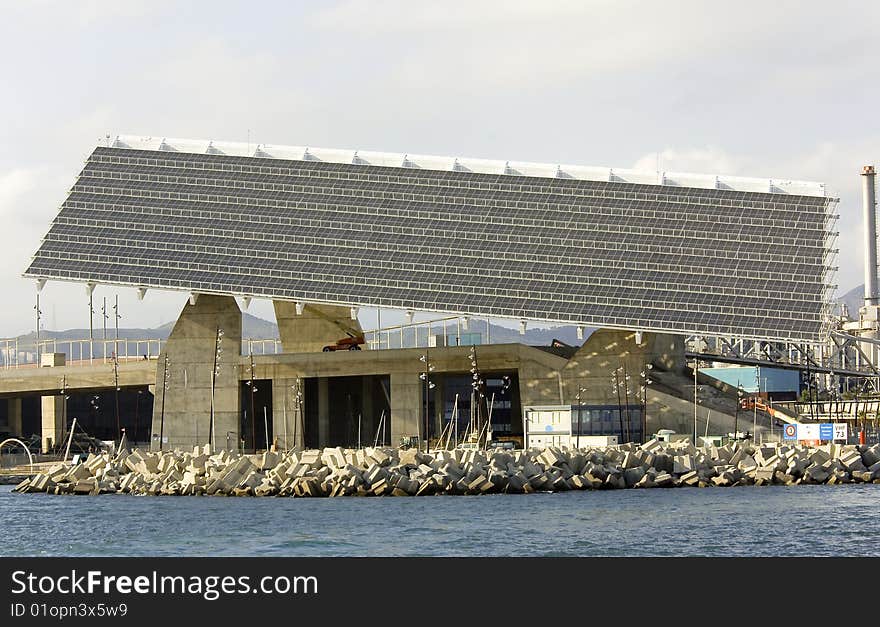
(74, 342)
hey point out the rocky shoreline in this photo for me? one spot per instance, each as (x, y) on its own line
(406, 472)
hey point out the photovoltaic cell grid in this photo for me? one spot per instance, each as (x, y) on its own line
(634, 256)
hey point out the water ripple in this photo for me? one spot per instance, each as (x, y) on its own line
(776, 520)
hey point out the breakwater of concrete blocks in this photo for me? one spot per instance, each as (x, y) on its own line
(407, 472)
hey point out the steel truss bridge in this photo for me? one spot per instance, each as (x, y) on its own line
(840, 356)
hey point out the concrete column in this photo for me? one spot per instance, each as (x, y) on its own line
(13, 414)
(190, 349)
(406, 399)
(53, 427)
(323, 412)
(286, 425)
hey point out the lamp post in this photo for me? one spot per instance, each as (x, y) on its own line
(218, 350)
(615, 384)
(166, 378)
(578, 437)
(95, 402)
(425, 376)
(696, 387)
(646, 381)
(296, 388)
(116, 392)
(478, 387)
(739, 396)
(116, 318)
(626, 393)
(37, 342)
(251, 383)
(65, 396)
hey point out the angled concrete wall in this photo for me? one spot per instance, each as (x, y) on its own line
(190, 350)
(316, 327)
(607, 350)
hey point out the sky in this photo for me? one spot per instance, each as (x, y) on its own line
(785, 90)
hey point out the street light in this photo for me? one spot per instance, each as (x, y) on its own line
(578, 437)
(740, 393)
(615, 386)
(478, 392)
(646, 381)
(218, 350)
(166, 378)
(429, 385)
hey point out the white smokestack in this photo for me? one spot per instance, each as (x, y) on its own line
(870, 223)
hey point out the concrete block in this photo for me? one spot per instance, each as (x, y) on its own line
(747, 463)
(632, 476)
(852, 460)
(682, 464)
(151, 462)
(615, 481)
(550, 457)
(663, 480)
(78, 473)
(85, 486)
(690, 478)
(871, 455)
(311, 458)
(268, 460)
(817, 474)
(652, 445)
(736, 457)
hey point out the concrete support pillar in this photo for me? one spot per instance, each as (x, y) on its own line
(406, 399)
(323, 412)
(13, 414)
(190, 349)
(53, 427)
(287, 426)
(315, 327)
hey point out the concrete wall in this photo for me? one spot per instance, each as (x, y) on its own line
(190, 350)
(605, 351)
(316, 327)
(53, 427)
(406, 403)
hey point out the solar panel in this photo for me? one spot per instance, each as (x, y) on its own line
(597, 253)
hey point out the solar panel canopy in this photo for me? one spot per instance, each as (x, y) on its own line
(547, 247)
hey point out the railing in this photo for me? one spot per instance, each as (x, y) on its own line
(87, 351)
(10, 355)
(256, 346)
(78, 352)
(428, 333)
